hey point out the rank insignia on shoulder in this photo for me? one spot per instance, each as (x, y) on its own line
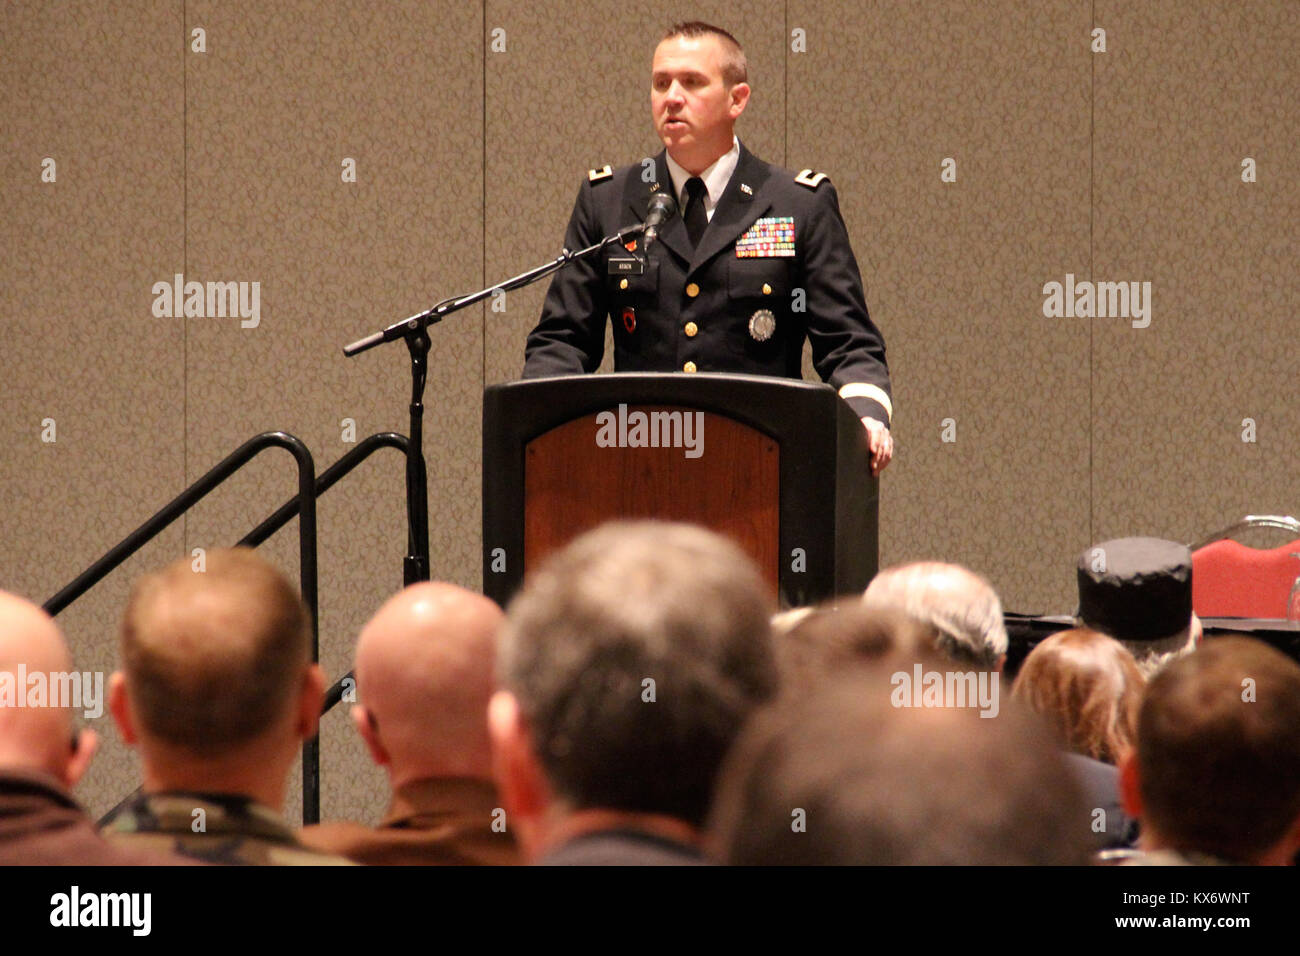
(596, 175)
(810, 179)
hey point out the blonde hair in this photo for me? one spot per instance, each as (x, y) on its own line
(213, 658)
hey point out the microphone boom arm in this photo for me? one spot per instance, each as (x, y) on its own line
(415, 324)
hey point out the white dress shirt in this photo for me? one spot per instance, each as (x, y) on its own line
(715, 178)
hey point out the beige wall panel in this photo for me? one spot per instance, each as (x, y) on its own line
(1184, 93)
(285, 92)
(98, 89)
(225, 165)
(570, 92)
(954, 271)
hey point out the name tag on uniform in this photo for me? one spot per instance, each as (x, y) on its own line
(626, 267)
(769, 237)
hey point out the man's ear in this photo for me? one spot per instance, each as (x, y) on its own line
(87, 743)
(310, 698)
(366, 728)
(518, 775)
(120, 708)
(739, 99)
(1129, 790)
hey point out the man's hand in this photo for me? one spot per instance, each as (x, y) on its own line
(881, 443)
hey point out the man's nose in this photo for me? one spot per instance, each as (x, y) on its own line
(675, 93)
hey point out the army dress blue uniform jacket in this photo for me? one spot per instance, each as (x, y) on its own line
(742, 301)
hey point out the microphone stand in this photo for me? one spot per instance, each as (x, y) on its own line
(413, 330)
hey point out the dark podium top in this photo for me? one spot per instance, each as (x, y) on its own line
(783, 468)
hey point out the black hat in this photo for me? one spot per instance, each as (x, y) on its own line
(1136, 589)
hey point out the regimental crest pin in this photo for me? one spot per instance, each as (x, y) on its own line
(629, 319)
(762, 324)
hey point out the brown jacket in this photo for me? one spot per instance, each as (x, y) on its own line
(431, 822)
(41, 825)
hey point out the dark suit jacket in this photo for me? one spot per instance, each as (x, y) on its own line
(1100, 785)
(432, 822)
(622, 848)
(690, 309)
(41, 825)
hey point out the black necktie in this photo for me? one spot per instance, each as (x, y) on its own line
(696, 219)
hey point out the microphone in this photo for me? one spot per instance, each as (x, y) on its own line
(662, 208)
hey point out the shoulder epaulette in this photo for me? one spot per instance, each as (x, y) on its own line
(810, 179)
(596, 175)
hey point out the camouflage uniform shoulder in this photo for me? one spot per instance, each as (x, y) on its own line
(212, 828)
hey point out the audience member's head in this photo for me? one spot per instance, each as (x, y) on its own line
(37, 738)
(1139, 591)
(824, 640)
(1216, 770)
(627, 665)
(843, 776)
(958, 607)
(1088, 687)
(424, 676)
(217, 687)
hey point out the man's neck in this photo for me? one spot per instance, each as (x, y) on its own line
(563, 828)
(697, 161)
(246, 777)
(1151, 841)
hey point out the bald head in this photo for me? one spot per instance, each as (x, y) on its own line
(33, 737)
(424, 669)
(958, 606)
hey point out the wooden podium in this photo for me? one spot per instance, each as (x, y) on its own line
(778, 465)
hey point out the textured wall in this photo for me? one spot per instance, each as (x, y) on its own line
(226, 166)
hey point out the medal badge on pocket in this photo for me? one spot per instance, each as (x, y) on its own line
(761, 325)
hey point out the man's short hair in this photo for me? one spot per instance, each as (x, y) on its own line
(956, 604)
(214, 657)
(843, 777)
(1218, 749)
(735, 68)
(635, 654)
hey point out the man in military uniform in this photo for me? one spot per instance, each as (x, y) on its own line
(758, 260)
(217, 691)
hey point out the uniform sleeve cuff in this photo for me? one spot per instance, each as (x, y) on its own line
(868, 401)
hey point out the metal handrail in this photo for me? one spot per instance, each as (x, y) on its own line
(310, 487)
(365, 448)
(187, 499)
(191, 496)
(327, 480)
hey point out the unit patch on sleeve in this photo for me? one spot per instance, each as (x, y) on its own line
(772, 236)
